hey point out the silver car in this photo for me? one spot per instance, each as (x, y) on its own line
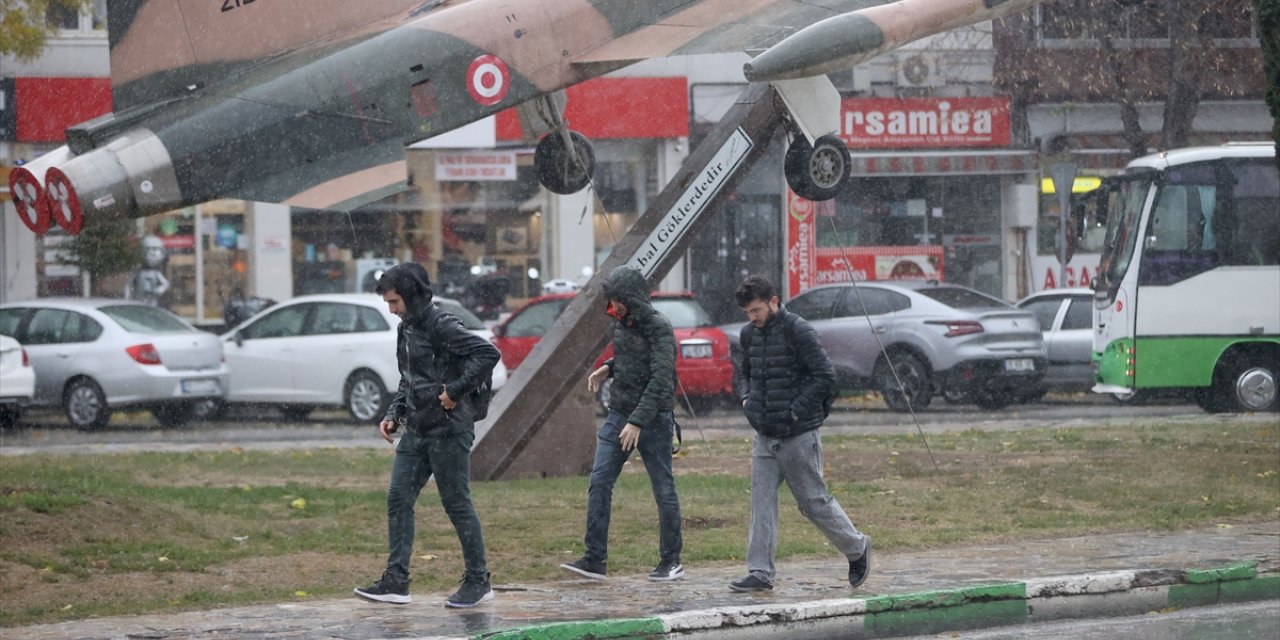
(1066, 321)
(939, 339)
(92, 356)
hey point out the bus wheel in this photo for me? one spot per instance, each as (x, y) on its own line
(1250, 385)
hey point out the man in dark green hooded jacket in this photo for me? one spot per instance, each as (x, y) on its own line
(441, 365)
(641, 398)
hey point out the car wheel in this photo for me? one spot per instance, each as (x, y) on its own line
(993, 400)
(911, 389)
(174, 414)
(366, 397)
(86, 405)
(9, 416)
(1249, 385)
(1032, 395)
(209, 409)
(296, 412)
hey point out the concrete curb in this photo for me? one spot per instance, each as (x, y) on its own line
(1038, 600)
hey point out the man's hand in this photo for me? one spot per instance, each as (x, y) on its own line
(629, 437)
(597, 378)
(386, 428)
(446, 401)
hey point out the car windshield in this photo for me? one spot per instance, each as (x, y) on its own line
(136, 318)
(469, 320)
(684, 313)
(958, 298)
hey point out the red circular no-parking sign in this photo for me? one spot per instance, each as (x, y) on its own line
(488, 80)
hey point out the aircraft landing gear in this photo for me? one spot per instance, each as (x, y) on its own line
(561, 168)
(817, 172)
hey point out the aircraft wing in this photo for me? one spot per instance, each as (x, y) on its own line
(717, 27)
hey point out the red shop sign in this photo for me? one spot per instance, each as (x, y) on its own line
(915, 123)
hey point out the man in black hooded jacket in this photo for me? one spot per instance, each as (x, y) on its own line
(441, 365)
(641, 399)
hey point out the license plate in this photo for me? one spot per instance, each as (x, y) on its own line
(695, 350)
(1020, 364)
(202, 387)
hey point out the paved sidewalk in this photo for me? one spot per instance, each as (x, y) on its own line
(907, 593)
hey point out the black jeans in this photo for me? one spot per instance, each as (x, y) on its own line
(655, 449)
(417, 458)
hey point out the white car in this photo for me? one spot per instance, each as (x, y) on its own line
(92, 356)
(324, 349)
(17, 381)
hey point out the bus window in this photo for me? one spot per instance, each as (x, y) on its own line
(1253, 228)
(1180, 241)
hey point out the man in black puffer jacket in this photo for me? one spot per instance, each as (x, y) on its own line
(785, 379)
(441, 364)
(641, 398)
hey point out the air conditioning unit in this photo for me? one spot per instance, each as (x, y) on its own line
(919, 69)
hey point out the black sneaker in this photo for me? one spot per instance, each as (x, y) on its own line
(587, 568)
(667, 571)
(473, 591)
(385, 590)
(860, 568)
(750, 583)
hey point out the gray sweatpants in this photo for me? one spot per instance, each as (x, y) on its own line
(798, 461)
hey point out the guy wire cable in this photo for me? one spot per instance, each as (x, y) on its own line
(911, 409)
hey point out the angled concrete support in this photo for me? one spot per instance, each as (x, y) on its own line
(537, 424)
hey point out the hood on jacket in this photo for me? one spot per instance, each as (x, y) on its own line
(626, 285)
(413, 284)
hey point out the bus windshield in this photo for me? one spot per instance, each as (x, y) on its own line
(1122, 228)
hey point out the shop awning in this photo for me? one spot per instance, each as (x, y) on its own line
(916, 163)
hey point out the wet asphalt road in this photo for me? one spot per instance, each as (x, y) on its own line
(46, 430)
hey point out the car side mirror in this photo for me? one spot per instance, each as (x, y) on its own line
(238, 337)
(499, 330)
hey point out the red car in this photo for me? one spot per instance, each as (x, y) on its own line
(703, 367)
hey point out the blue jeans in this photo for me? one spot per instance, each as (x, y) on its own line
(417, 458)
(655, 450)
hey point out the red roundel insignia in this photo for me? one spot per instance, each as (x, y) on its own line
(488, 80)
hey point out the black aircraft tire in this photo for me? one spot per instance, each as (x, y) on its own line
(557, 170)
(817, 172)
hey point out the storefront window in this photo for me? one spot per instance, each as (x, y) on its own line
(961, 214)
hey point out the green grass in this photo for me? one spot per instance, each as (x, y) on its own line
(93, 535)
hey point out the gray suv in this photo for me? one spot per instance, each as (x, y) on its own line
(939, 338)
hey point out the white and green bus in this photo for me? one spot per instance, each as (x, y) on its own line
(1187, 295)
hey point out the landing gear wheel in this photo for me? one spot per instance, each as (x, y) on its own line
(817, 172)
(560, 171)
(916, 391)
(366, 397)
(86, 405)
(1249, 385)
(173, 415)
